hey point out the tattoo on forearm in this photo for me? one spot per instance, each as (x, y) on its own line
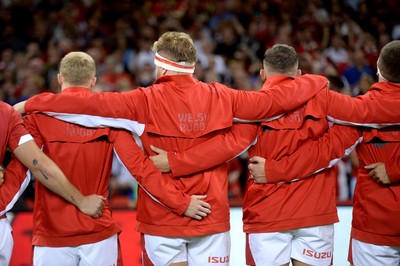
(36, 162)
(44, 175)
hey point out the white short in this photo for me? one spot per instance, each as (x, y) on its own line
(204, 250)
(369, 254)
(310, 245)
(6, 241)
(102, 253)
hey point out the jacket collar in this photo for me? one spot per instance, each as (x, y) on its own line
(387, 87)
(75, 89)
(177, 79)
(277, 79)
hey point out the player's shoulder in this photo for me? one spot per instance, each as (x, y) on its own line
(5, 107)
(314, 78)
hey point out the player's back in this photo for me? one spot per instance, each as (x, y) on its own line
(307, 202)
(85, 156)
(375, 203)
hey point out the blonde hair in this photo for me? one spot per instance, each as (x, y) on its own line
(176, 46)
(77, 68)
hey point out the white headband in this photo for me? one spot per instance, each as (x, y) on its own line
(174, 66)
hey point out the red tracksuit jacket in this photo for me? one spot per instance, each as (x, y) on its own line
(308, 202)
(85, 156)
(375, 206)
(11, 132)
(176, 113)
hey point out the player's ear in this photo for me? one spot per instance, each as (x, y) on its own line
(59, 79)
(93, 82)
(263, 75)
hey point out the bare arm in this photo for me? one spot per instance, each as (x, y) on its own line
(48, 173)
(28, 153)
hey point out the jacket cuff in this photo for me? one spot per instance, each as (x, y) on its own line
(271, 172)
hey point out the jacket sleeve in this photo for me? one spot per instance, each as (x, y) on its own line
(105, 104)
(270, 102)
(16, 180)
(215, 151)
(364, 110)
(109, 109)
(16, 176)
(159, 187)
(30, 125)
(314, 156)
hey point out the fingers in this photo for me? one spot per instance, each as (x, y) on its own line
(153, 148)
(199, 215)
(206, 208)
(252, 159)
(202, 211)
(101, 197)
(371, 166)
(97, 215)
(378, 179)
(255, 159)
(371, 173)
(202, 203)
(157, 150)
(199, 197)
(251, 167)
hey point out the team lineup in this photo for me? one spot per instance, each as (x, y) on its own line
(296, 129)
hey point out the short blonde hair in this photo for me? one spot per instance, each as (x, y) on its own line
(77, 68)
(176, 46)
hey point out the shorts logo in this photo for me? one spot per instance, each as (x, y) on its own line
(218, 259)
(317, 255)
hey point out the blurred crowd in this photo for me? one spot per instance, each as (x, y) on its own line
(340, 39)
